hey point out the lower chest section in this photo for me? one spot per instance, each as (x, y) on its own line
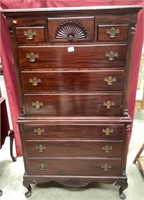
(73, 147)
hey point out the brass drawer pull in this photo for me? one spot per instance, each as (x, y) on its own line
(107, 131)
(42, 166)
(40, 148)
(107, 148)
(110, 80)
(39, 131)
(108, 104)
(112, 32)
(32, 57)
(34, 81)
(30, 34)
(37, 104)
(106, 167)
(111, 55)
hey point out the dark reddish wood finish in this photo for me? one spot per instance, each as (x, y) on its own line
(82, 81)
(82, 56)
(121, 36)
(81, 167)
(39, 37)
(83, 131)
(63, 93)
(87, 22)
(77, 148)
(74, 104)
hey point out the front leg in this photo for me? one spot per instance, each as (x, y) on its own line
(27, 183)
(29, 192)
(123, 185)
(122, 188)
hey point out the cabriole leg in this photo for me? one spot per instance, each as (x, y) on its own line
(122, 188)
(123, 185)
(29, 192)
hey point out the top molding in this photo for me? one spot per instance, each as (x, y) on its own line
(77, 10)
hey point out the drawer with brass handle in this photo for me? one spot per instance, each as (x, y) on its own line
(98, 80)
(74, 104)
(113, 32)
(70, 148)
(73, 131)
(81, 56)
(75, 167)
(30, 34)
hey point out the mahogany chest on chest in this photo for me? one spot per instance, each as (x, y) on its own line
(73, 69)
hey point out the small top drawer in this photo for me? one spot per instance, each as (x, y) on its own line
(30, 34)
(112, 32)
(71, 29)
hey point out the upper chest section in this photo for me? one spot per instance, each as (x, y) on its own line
(60, 27)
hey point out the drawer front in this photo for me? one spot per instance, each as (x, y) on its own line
(71, 29)
(74, 167)
(30, 34)
(73, 148)
(40, 131)
(74, 104)
(72, 81)
(113, 32)
(81, 56)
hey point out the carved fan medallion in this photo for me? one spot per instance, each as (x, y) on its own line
(71, 30)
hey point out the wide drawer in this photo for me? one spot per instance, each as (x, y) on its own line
(67, 131)
(77, 167)
(113, 32)
(72, 56)
(30, 34)
(71, 29)
(74, 104)
(73, 81)
(73, 149)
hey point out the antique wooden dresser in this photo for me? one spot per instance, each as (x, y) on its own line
(73, 67)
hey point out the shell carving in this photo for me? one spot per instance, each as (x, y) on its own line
(71, 30)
